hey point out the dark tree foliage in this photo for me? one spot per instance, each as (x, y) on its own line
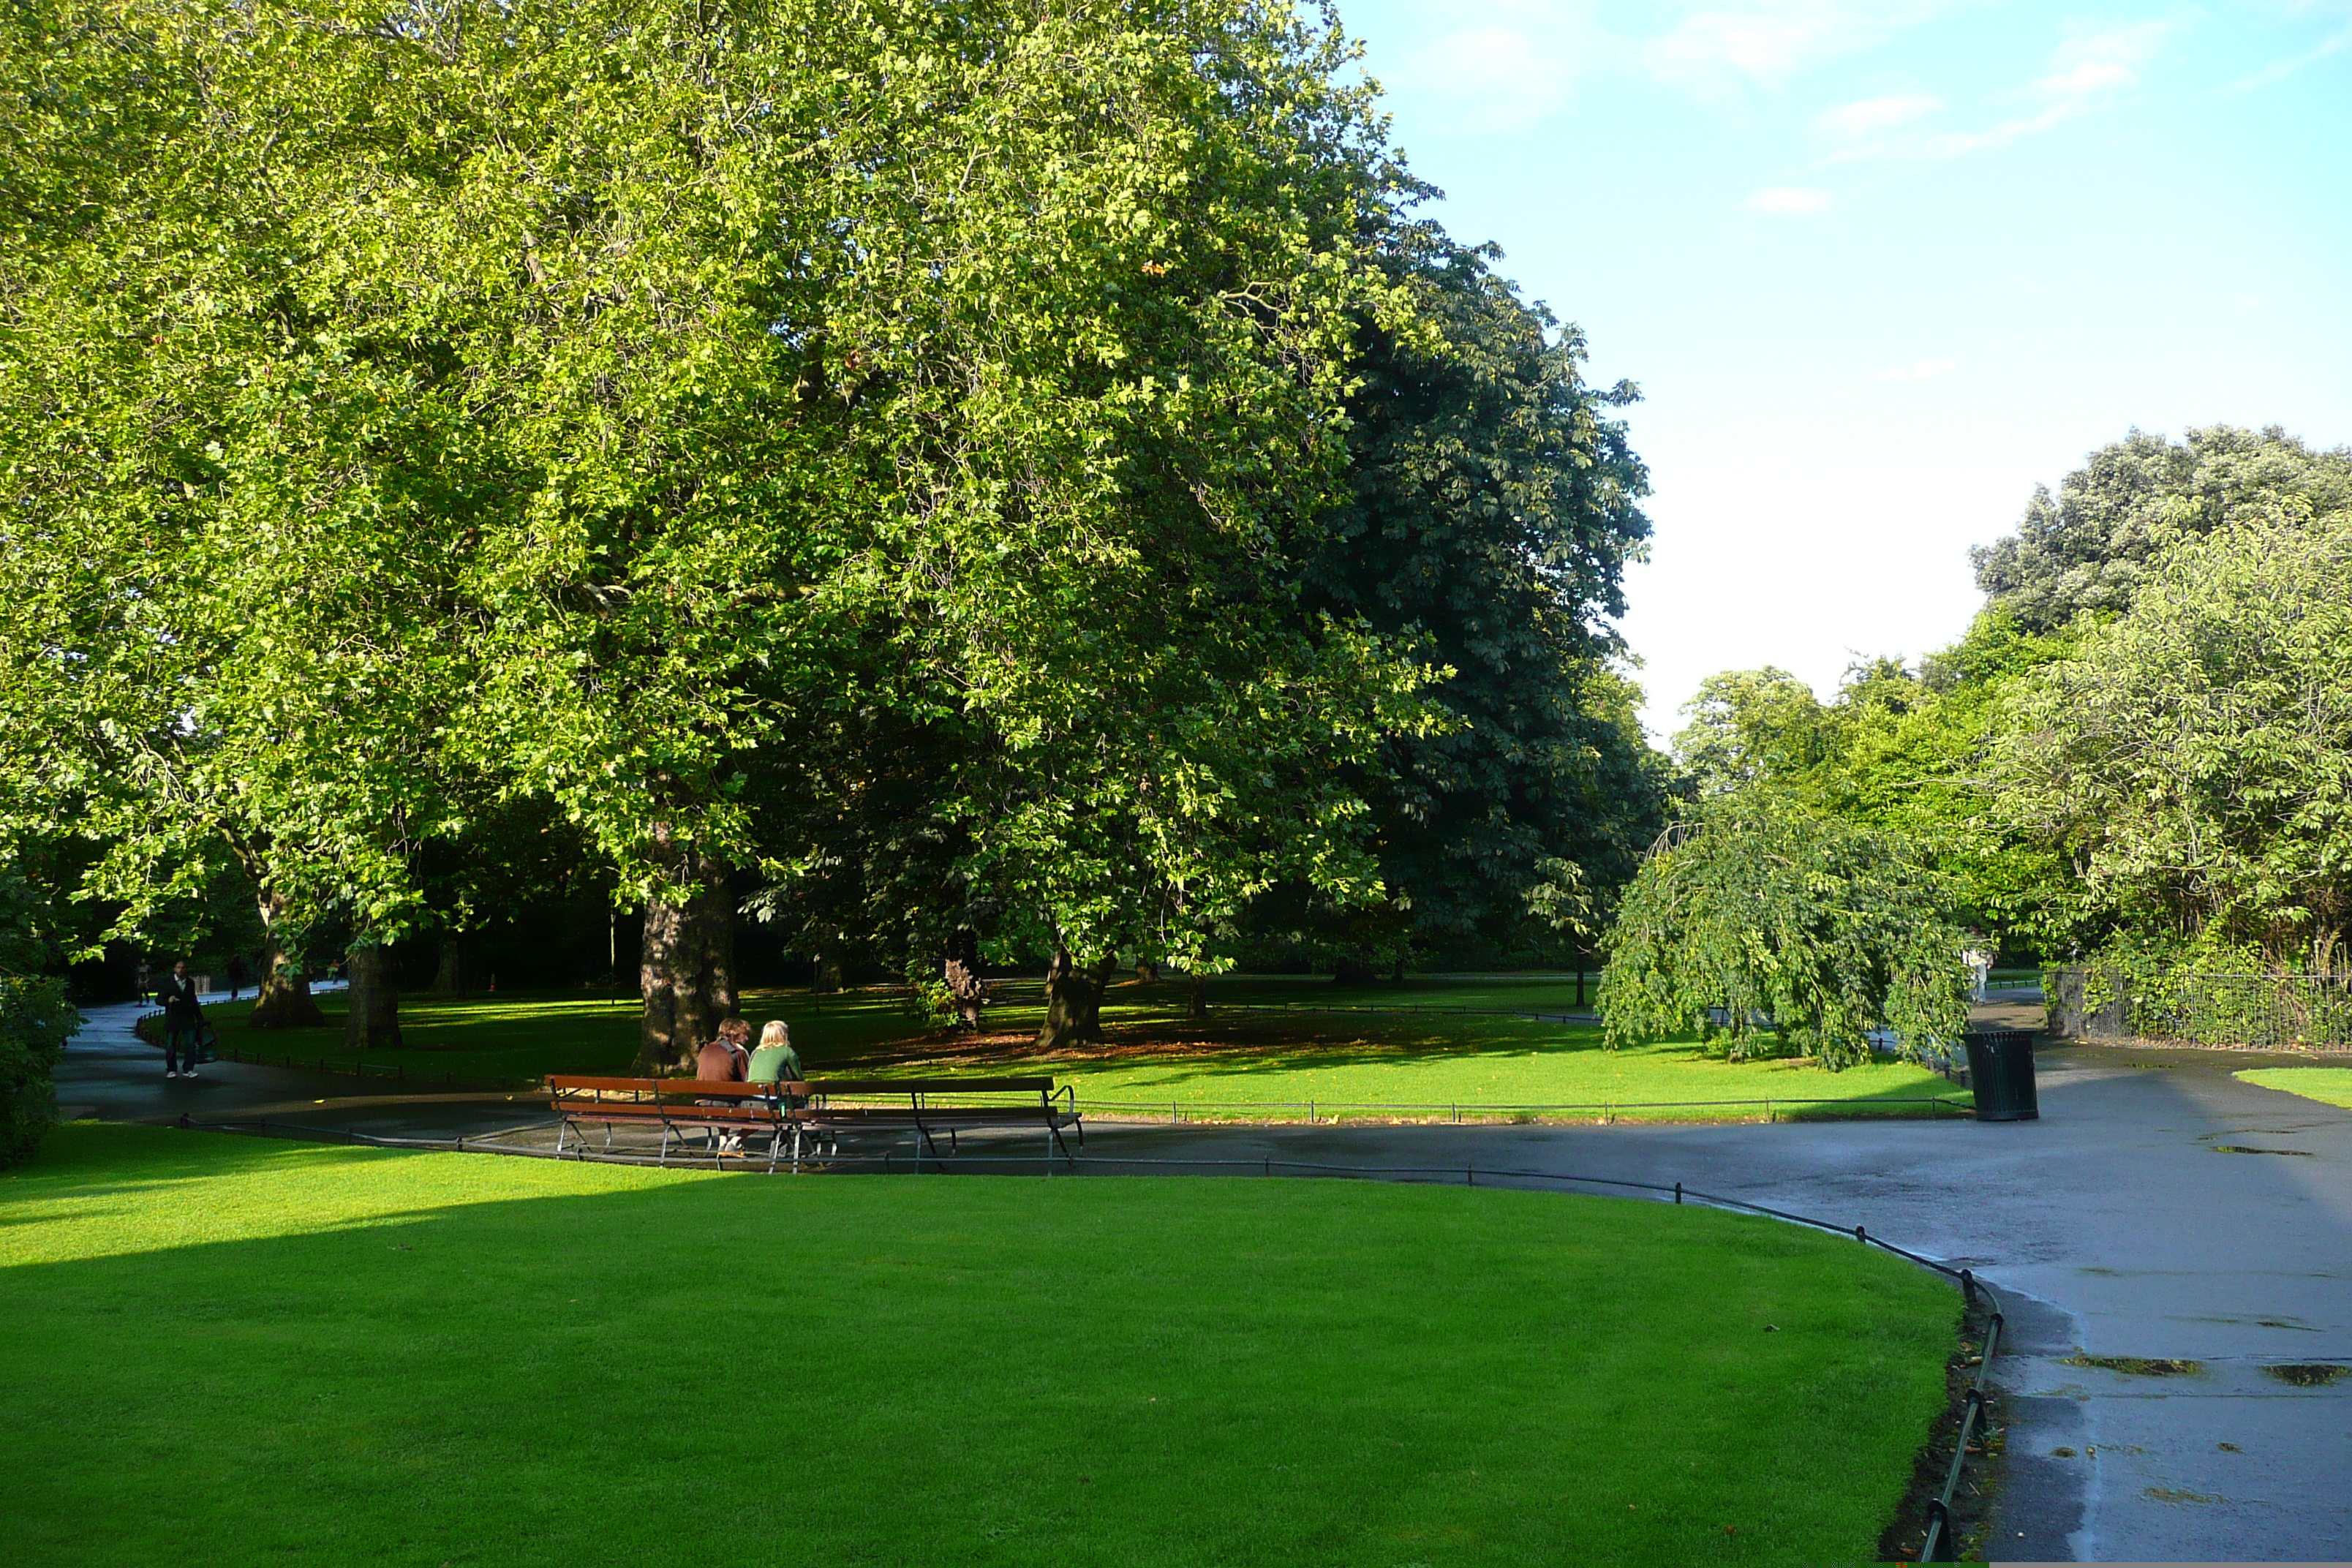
(2091, 547)
(1494, 501)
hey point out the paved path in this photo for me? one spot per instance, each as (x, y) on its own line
(108, 1072)
(2119, 1224)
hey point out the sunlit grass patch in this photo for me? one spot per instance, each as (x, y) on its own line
(370, 1356)
(2329, 1086)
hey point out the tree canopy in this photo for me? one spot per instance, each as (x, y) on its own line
(2193, 757)
(1769, 928)
(1493, 503)
(612, 417)
(2088, 548)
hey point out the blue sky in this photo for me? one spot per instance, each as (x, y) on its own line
(1879, 269)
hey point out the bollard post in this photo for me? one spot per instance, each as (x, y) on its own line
(1862, 1235)
(1679, 1191)
(1968, 1286)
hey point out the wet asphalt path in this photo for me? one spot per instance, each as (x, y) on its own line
(109, 1073)
(2121, 1225)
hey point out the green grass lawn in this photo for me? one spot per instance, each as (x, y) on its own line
(2330, 1086)
(1254, 1057)
(231, 1350)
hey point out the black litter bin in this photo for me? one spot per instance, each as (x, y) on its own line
(2001, 1070)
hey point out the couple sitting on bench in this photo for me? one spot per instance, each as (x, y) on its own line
(729, 1059)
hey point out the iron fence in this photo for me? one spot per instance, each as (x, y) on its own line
(2261, 1012)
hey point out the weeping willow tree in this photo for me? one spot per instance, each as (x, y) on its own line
(1768, 931)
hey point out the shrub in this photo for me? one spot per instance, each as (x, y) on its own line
(34, 1021)
(1807, 930)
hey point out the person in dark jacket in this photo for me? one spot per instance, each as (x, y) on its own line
(725, 1060)
(236, 977)
(183, 1022)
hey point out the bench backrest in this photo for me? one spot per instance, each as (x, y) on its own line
(575, 1085)
(930, 1086)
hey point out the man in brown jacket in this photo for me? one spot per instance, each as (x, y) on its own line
(725, 1060)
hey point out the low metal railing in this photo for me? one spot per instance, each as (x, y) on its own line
(2271, 1012)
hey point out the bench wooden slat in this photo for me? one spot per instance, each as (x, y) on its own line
(712, 1089)
(931, 1086)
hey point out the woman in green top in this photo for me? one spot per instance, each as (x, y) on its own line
(775, 1061)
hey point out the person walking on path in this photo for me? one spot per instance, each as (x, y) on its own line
(183, 1022)
(236, 976)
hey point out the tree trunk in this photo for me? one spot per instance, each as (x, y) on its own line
(283, 999)
(1396, 977)
(1353, 972)
(687, 970)
(373, 1022)
(449, 974)
(1198, 1009)
(828, 976)
(1146, 970)
(1073, 1003)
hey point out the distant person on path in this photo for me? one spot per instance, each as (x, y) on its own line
(1979, 961)
(775, 1061)
(183, 1022)
(236, 977)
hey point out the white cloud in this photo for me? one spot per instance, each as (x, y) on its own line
(1520, 65)
(1498, 77)
(2280, 69)
(1919, 370)
(1765, 42)
(2087, 72)
(1867, 117)
(1788, 199)
(1521, 60)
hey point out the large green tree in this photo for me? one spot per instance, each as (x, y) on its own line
(1766, 928)
(414, 412)
(1493, 501)
(2193, 757)
(2089, 548)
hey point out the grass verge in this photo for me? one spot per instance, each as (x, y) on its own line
(235, 1350)
(1260, 1054)
(2329, 1086)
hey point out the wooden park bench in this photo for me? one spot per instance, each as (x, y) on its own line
(671, 1104)
(788, 1114)
(929, 1107)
